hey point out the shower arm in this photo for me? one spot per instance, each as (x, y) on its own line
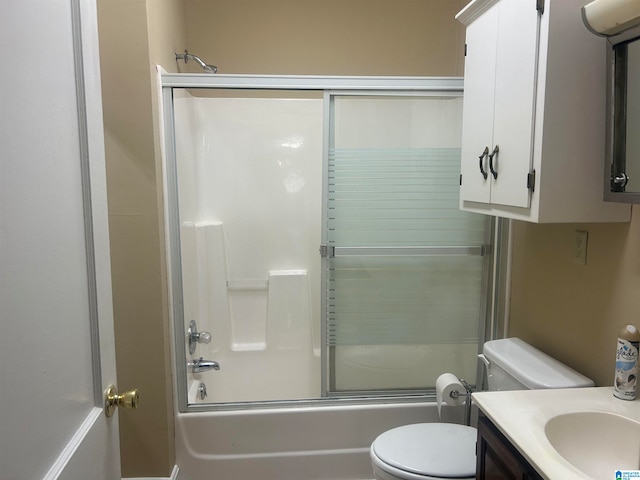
(186, 56)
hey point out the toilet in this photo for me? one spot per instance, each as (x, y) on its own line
(438, 451)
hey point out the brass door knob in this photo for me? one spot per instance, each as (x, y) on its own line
(129, 399)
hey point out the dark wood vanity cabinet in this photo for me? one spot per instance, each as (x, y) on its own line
(497, 459)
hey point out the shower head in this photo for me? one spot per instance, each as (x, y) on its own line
(186, 56)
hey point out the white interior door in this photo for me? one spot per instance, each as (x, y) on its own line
(56, 340)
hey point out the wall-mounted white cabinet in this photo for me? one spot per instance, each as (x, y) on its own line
(533, 133)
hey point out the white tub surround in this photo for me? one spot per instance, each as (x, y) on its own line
(523, 415)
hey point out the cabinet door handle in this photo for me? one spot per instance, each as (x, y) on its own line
(496, 150)
(619, 182)
(481, 157)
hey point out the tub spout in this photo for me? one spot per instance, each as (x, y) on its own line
(201, 365)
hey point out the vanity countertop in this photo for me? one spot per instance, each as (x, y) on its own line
(522, 415)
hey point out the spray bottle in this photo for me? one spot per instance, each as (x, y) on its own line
(625, 382)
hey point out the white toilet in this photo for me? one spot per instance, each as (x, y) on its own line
(437, 451)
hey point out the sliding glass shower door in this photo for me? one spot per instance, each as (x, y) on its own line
(316, 246)
(405, 268)
(249, 178)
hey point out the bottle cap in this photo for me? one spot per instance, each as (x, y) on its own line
(630, 333)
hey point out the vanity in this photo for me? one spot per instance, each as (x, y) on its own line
(568, 434)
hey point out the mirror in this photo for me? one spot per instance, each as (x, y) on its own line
(622, 170)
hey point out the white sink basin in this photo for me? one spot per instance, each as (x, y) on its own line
(596, 443)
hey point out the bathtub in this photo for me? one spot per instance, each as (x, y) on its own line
(325, 442)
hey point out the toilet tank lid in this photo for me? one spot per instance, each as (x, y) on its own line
(531, 367)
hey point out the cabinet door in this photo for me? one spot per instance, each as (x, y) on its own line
(478, 105)
(497, 459)
(514, 97)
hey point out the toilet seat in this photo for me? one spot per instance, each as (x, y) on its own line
(427, 451)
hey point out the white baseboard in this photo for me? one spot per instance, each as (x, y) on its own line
(174, 476)
(175, 472)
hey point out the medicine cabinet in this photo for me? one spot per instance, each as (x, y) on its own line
(622, 167)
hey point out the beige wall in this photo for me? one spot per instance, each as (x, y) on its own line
(134, 36)
(570, 311)
(328, 37)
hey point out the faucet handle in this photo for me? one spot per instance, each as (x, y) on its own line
(194, 337)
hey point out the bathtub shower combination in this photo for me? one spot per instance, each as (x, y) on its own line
(321, 274)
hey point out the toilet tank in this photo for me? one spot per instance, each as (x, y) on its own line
(513, 364)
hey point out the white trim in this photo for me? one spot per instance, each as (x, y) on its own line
(175, 472)
(473, 10)
(85, 168)
(174, 476)
(74, 444)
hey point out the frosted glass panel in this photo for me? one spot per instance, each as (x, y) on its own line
(404, 300)
(393, 183)
(398, 197)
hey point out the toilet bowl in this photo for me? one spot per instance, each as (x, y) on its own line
(425, 451)
(438, 451)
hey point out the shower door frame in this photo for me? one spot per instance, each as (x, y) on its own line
(330, 86)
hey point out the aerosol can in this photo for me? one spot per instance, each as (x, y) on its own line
(626, 379)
